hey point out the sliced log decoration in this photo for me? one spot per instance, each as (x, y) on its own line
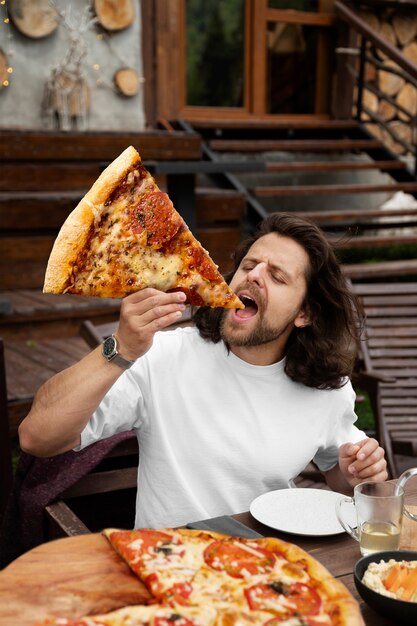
(127, 81)
(114, 15)
(33, 18)
(4, 64)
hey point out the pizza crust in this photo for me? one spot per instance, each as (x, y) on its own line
(74, 233)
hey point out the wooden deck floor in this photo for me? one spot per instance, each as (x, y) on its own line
(31, 314)
(29, 363)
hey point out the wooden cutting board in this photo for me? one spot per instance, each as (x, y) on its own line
(69, 577)
(409, 531)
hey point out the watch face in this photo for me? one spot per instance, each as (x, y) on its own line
(109, 347)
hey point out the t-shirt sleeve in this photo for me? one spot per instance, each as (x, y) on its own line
(122, 409)
(341, 430)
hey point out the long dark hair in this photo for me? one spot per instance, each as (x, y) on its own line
(321, 355)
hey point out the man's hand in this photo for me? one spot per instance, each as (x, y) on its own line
(362, 461)
(142, 314)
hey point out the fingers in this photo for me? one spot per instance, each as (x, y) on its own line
(142, 315)
(368, 461)
(149, 305)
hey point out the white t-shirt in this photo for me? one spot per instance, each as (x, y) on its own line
(214, 431)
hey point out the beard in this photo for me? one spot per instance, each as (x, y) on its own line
(259, 335)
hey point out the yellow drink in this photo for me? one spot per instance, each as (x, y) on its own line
(379, 536)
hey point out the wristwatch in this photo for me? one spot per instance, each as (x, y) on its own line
(110, 352)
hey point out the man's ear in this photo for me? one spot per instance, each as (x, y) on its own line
(303, 319)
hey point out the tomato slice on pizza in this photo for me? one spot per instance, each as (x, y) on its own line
(285, 600)
(237, 559)
(125, 235)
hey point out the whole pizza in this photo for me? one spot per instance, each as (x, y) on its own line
(200, 578)
(125, 235)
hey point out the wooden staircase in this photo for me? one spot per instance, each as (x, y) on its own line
(297, 167)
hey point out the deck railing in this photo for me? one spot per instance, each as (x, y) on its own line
(369, 48)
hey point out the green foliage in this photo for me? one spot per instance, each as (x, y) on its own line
(215, 52)
(371, 255)
(15, 453)
(366, 419)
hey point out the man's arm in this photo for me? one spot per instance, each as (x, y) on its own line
(65, 403)
(358, 462)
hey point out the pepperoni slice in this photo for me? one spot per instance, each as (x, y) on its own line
(296, 598)
(238, 561)
(193, 297)
(200, 261)
(155, 214)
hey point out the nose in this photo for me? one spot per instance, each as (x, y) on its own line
(257, 274)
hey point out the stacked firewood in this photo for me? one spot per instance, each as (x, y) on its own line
(389, 101)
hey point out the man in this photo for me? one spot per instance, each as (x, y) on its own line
(236, 405)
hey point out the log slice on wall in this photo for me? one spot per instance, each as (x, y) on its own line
(114, 14)
(4, 64)
(33, 18)
(127, 81)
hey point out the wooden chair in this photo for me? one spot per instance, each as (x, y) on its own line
(104, 497)
(70, 494)
(389, 357)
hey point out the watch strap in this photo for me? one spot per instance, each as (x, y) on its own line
(121, 361)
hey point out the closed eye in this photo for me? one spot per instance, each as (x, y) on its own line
(247, 267)
(277, 278)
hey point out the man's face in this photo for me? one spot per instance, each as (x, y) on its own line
(271, 282)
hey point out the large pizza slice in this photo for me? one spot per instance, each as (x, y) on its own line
(200, 578)
(265, 582)
(125, 235)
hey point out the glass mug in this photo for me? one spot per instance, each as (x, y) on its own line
(379, 510)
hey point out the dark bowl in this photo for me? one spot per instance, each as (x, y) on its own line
(400, 611)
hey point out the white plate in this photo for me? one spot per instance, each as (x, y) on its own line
(301, 511)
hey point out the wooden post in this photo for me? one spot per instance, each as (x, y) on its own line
(6, 473)
(344, 83)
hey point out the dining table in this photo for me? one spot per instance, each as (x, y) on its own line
(82, 574)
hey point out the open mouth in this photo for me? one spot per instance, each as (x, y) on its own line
(251, 307)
